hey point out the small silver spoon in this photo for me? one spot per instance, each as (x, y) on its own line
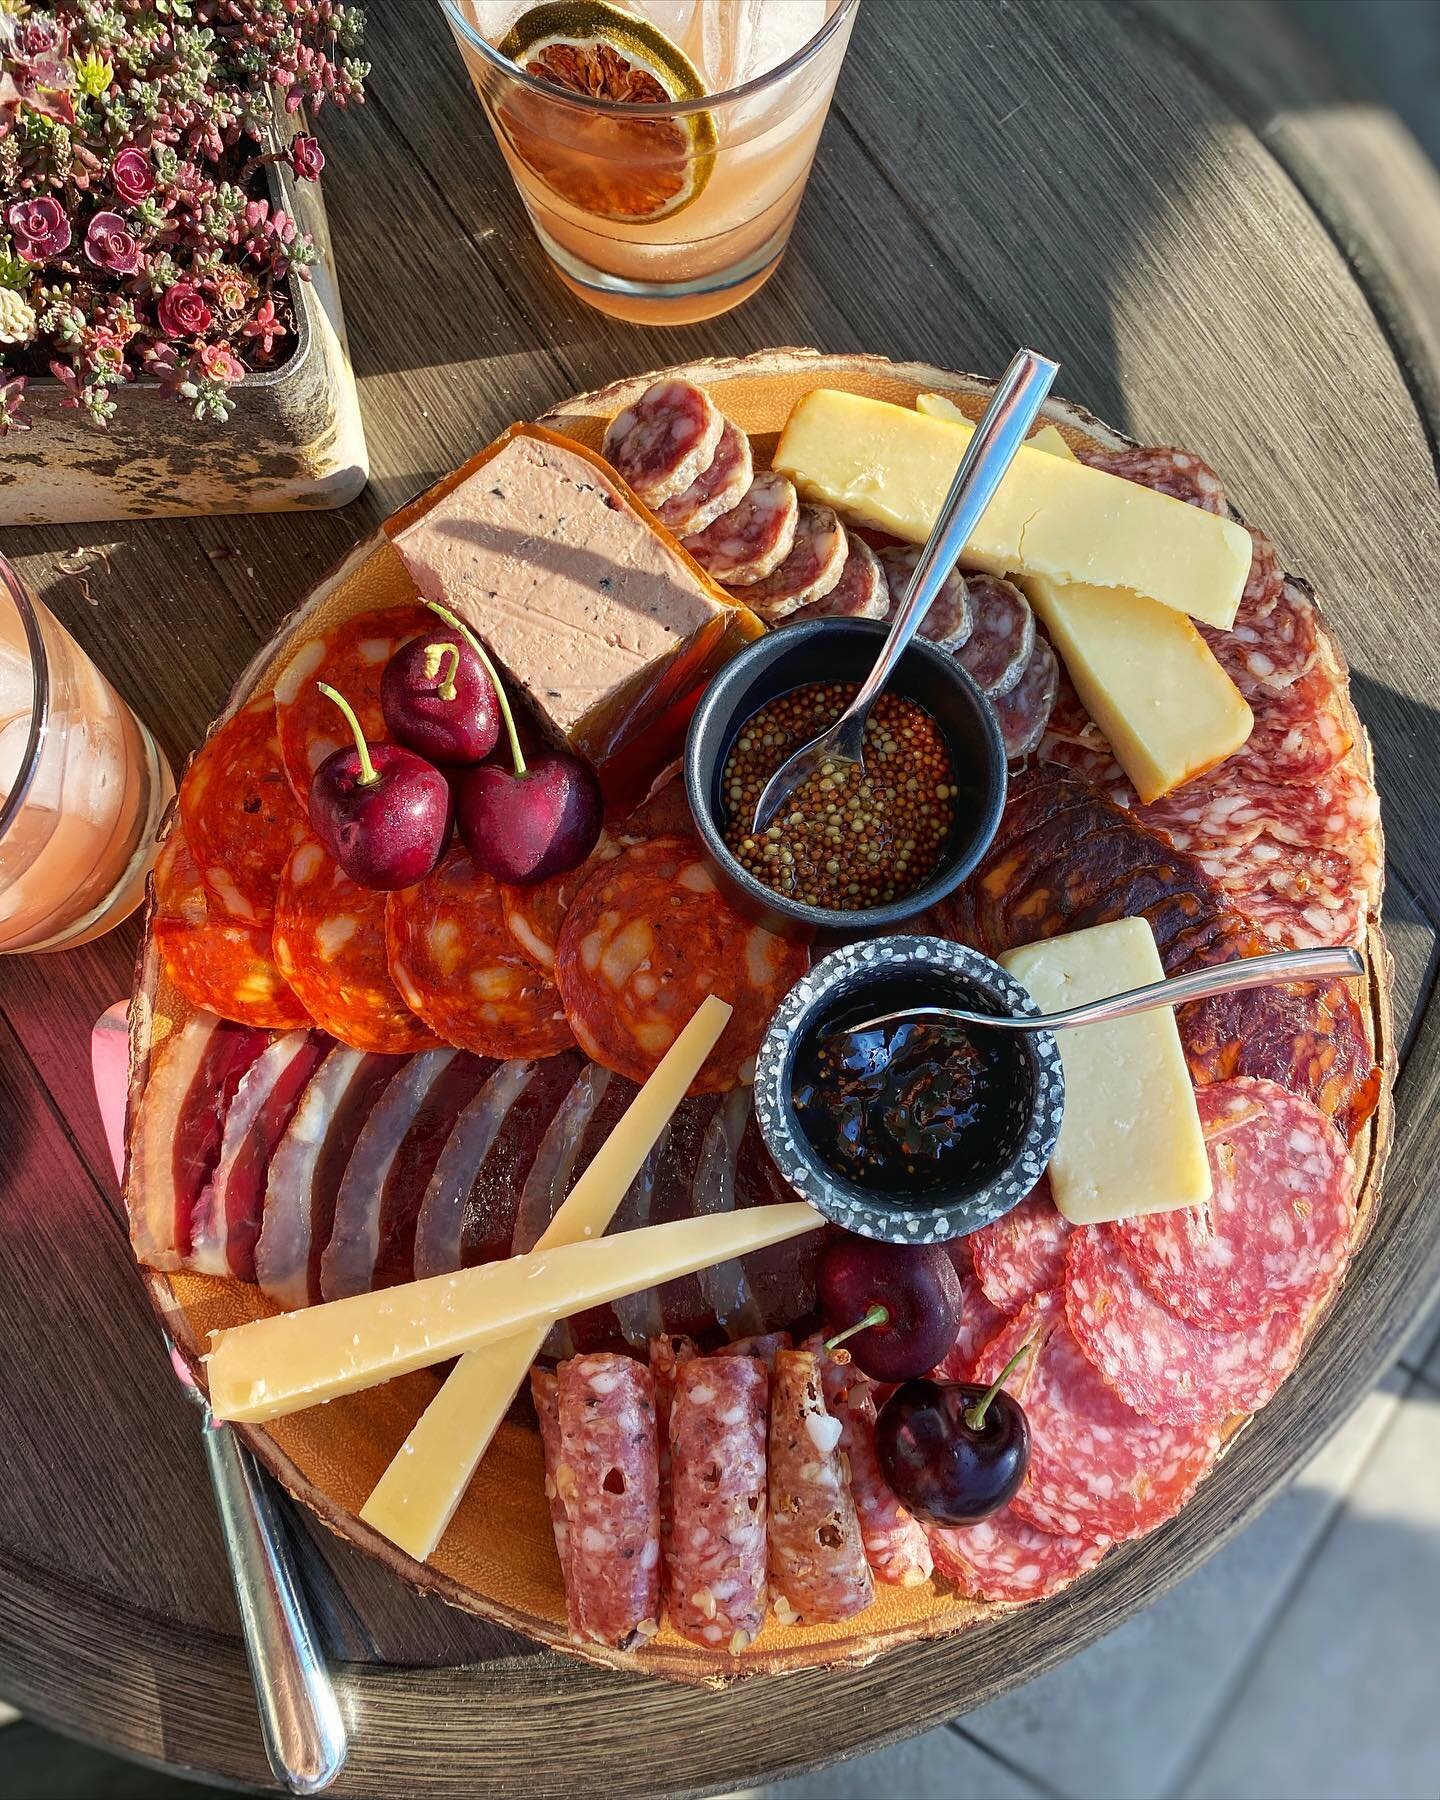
(988, 455)
(1224, 978)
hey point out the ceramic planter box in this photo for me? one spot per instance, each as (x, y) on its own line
(294, 440)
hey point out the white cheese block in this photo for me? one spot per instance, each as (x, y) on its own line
(415, 1499)
(1048, 438)
(888, 467)
(1130, 1141)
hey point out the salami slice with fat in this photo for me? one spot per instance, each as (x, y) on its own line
(947, 622)
(1022, 1253)
(812, 569)
(817, 1563)
(454, 960)
(1097, 1468)
(1301, 732)
(221, 963)
(1178, 473)
(980, 1323)
(534, 914)
(1002, 634)
(668, 438)
(351, 657)
(1004, 1557)
(745, 544)
(1275, 1233)
(644, 941)
(1270, 651)
(860, 593)
(545, 1392)
(895, 1543)
(716, 489)
(1025, 711)
(241, 817)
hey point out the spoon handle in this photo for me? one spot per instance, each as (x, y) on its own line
(988, 455)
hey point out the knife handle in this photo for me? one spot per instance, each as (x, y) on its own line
(300, 1719)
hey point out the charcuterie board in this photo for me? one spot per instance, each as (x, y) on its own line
(497, 1557)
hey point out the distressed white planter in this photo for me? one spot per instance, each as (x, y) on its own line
(294, 441)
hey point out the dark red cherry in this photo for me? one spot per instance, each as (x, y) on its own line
(438, 699)
(384, 813)
(524, 827)
(953, 1452)
(916, 1287)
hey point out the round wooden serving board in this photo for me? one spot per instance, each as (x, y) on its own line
(498, 1557)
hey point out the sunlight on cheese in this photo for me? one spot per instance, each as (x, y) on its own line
(416, 1497)
(1148, 679)
(890, 468)
(1130, 1141)
(1048, 438)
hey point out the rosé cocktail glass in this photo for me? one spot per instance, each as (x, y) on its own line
(659, 212)
(83, 786)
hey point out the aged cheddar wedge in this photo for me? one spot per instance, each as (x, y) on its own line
(890, 468)
(1148, 679)
(1130, 1141)
(279, 1365)
(1048, 438)
(415, 1498)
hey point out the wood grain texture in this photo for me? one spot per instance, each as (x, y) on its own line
(1104, 199)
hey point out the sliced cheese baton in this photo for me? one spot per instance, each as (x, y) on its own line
(416, 1497)
(1130, 1141)
(887, 467)
(1148, 679)
(1048, 438)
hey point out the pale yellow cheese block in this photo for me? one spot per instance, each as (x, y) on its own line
(1130, 1140)
(890, 468)
(1148, 679)
(278, 1365)
(415, 1499)
(1048, 438)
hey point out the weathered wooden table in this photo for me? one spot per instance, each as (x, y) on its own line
(1079, 177)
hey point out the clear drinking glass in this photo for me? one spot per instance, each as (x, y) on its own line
(667, 213)
(83, 786)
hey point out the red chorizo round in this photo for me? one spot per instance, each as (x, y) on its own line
(534, 914)
(241, 816)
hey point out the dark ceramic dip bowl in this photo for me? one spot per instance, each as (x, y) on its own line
(845, 650)
(883, 975)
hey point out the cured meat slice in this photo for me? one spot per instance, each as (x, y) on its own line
(895, 1544)
(218, 962)
(948, 622)
(1301, 732)
(725, 1286)
(1002, 634)
(812, 569)
(307, 1168)
(534, 914)
(1022, 1253)
(782, 1279)
(1025, 711)
(716, 489)
(1275, 1233)
(241, 819)
(1097, 1468)
(228, 1217)
(1173, 1372)
(545, 1392)
(683, 1305)
(1266, 580)
(350, 656)
(609, 1480)
(1299, 898)
(860, 593)
(662, 443)
(329, 942)
(644, 941)
(980, 1323)
(180, 1131)
(550, 1173)
(457, 965)
(817, 1563)
(1270, 651)
(1004, 1557)
(639, 1315)
(1168, 471)
(716, 1554)
(747, 543)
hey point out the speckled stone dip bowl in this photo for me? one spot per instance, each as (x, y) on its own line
(886, 974)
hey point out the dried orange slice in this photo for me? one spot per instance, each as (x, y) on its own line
(628, 169)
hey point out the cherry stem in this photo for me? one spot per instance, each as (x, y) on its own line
(877, 1315)
(435, 655)
(444, 612)
(974, 1416)
(369, 775)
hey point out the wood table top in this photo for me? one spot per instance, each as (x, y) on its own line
(1081, 178)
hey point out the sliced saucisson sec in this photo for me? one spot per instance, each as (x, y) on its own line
(817, 1563)
(453, 958)
(754, 538)
(241, 817)
(545, 1392)
(644, 941)
(860, 593)
(948, 621)
(1005, 1557)
(534, 914)
(1179, 473)
(716, 1553)
(716, 490)
(609, 1480)
(812, 570)
(350, 657)
(1024, 712)
(1002, 634)
(1097, 1468)
(221, 963)
(667, 439)
(329, 942)
(895, 1543)
(1022, 1253)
